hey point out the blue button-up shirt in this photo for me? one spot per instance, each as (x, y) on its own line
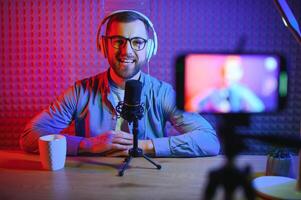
(90, 104)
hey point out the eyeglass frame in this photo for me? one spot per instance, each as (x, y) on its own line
(127, 39)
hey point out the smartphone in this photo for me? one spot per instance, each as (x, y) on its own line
(231, 83)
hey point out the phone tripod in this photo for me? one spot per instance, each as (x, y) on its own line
(135, 151)
(229, 176)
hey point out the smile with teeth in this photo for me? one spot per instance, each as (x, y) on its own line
(126, 60)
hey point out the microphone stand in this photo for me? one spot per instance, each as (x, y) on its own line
(135, 151)
(132, 111)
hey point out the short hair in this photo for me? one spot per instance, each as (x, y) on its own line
(127, 16)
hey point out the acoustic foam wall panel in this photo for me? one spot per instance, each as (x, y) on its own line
(47, 45)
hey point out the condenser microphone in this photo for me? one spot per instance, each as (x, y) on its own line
(131, 109)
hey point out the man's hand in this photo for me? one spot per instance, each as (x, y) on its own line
(146, 145)
(108, 141)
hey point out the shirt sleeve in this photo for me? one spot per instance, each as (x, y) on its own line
(197, 137)
(52, 120)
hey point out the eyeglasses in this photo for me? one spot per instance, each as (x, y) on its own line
(137, 43)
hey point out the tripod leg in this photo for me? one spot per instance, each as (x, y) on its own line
(125, 165)
(126, 159)
(151, 161)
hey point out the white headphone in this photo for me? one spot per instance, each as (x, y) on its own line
(151, 45)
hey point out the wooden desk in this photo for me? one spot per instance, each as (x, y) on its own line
(22, 177)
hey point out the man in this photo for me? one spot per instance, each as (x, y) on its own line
(91, 104)
(231, 95)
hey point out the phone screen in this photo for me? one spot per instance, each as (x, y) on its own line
(230, 83)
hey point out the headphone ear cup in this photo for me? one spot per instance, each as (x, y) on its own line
(150, 49)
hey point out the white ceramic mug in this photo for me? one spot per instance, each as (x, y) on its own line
(52, 151)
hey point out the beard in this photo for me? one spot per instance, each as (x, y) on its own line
(126, 73)
(126, 67)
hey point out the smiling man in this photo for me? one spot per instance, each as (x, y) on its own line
(126, 50)
(91, 103)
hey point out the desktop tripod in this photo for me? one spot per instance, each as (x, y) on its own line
(135, 151)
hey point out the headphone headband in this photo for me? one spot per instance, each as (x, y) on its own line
(133, 11)
(153, 47)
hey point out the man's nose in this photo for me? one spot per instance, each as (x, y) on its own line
(127, 47)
